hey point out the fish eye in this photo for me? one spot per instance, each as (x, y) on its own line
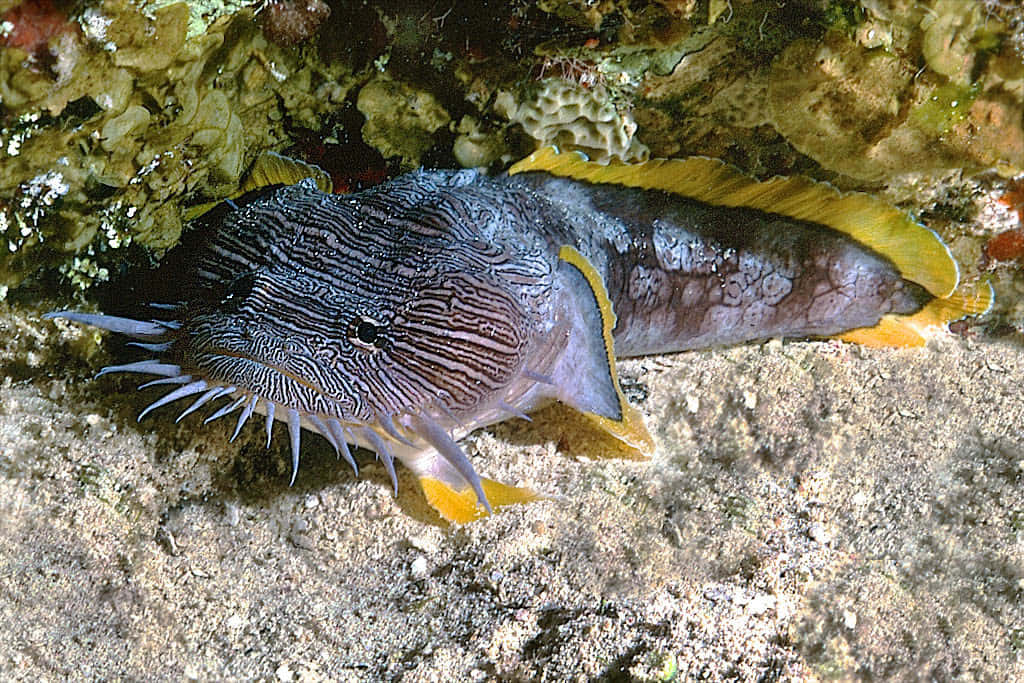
(240, 287)
(365, 333)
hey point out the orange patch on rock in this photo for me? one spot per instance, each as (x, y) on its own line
(1006, 246)
(1009, 245)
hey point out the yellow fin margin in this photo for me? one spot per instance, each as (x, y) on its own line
(462, 506)
(270, 168)
(911, 330)
(918, 253)
(630, 430)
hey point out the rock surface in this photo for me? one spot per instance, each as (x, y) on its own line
(814, 510)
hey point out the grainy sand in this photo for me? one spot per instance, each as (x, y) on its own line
(814, 510)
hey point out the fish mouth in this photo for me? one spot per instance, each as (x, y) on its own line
(284, 372)
(405, 433)
(383, 434)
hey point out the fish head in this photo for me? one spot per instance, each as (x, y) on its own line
(396, 330)
(402, 337)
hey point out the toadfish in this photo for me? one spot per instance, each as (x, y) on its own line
(405, 316)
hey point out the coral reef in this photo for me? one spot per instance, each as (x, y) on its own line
(287, 22)
(567, 114)
(400, 120)
(30, 26)
(132, 118)
(111, 124)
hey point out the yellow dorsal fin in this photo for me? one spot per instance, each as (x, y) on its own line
(911, 330)
(462, 506)
(270, 168)
(918, 253)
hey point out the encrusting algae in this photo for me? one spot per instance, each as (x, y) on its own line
(140, 111)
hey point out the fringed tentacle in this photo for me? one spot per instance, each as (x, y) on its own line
(437, 437)
(180, 392)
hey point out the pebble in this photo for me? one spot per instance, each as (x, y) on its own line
(749, 399)
(817, 533)
(56, 391)
(761, 604)
(299, 538)
(425, 544)
(232, 514)
(419, 568)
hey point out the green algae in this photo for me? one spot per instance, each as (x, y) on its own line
(400, 119)
(947, 106)
(202, 13)
(954, 32)
(143, 115)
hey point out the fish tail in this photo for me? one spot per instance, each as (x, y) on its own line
(969, 299)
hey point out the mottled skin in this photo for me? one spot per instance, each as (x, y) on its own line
(684, 275)
(402, 317)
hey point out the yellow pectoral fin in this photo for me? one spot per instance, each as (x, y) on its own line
(617, 417)
(462, 506)
(632, 440)
(624, 423)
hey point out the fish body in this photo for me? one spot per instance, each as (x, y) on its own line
(405, 316)
(683, 274)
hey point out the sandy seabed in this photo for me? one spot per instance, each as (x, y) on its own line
(814, 510)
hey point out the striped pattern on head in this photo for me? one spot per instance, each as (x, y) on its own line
(393, 316)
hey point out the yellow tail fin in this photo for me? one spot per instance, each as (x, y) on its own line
(911, 330)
